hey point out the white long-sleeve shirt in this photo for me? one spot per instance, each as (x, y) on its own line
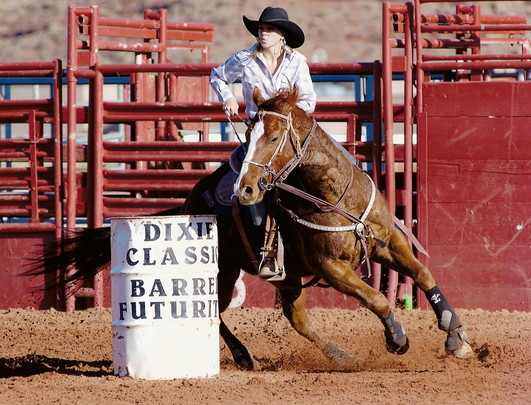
(252, 71)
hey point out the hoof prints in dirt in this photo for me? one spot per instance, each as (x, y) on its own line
(33, 364)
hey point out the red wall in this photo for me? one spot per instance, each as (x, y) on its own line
(18, 291)
(474, 201)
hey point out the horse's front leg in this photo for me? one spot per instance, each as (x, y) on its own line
(228, 274)
(241, 355)
(293, 307)
(339, 274)
(398, 255)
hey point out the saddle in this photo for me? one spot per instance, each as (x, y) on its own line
(224, 192)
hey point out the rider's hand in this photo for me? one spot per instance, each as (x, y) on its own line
(231, 107)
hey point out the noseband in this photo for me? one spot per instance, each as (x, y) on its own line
(300, 150)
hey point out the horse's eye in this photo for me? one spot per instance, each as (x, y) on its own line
(274, 140)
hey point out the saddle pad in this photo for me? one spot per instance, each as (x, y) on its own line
(237, 156)
(225, 189)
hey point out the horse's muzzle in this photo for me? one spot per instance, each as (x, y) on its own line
(249, 195)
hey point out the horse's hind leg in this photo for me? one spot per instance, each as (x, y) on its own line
(293, 301)
(400, 257)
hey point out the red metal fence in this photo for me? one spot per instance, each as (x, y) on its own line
(150, 168)
(51, 183)
(35, 169)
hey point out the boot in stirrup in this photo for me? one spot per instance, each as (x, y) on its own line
(270, 269)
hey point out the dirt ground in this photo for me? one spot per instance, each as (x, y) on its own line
(63, 358)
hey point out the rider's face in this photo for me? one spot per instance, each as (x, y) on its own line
(269, 36)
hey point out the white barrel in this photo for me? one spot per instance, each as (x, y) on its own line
(165, 321)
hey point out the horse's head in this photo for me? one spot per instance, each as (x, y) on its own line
(273, 142)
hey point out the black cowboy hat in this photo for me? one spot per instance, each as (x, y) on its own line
(277, 17)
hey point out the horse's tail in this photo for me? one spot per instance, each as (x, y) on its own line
(86, 251)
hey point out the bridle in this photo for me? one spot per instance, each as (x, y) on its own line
(277, 179)
(300, 150)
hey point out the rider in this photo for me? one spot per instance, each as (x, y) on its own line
(271, 64)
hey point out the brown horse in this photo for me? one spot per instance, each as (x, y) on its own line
(332, 220)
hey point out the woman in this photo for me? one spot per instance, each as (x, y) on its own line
(271, 64)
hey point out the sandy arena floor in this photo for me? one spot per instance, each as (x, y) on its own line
(66, 358)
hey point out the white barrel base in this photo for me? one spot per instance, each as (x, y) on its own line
(186, 355)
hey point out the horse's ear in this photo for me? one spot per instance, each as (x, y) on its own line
(257, 96)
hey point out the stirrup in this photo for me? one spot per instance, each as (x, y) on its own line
(270, 270)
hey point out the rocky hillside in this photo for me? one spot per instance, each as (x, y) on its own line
(336, 30)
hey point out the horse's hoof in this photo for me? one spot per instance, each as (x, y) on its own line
(246, 364)
(464, 351)
(394, 348)
(458, 344)
(244, 359)
(396, 339)
(338, 355)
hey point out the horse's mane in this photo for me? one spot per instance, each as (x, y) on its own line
(279, 98)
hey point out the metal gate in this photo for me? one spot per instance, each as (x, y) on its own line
(473, 153)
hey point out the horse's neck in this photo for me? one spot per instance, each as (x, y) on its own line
(325, 170)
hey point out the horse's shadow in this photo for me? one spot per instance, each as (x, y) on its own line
(33, 364)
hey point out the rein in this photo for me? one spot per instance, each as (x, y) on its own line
(234, 128)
